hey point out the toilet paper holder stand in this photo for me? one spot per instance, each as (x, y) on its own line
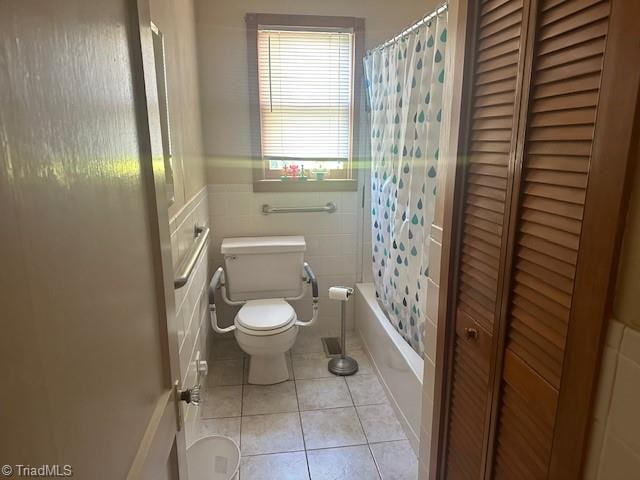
(342, 365)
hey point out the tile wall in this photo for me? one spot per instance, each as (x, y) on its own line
(191, 300)
(614, 452)
(332, 240)
(433, 291)
(615, 435)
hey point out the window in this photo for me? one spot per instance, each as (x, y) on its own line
(304, 74)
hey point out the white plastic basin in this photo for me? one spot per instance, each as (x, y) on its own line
(213, 458)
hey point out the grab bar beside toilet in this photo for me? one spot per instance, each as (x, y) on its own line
(311, 279)
(186, 266)
(330, 207)
(218, 282)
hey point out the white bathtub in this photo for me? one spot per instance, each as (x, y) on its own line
(398, 366)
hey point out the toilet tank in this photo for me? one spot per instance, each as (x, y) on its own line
(263, 267)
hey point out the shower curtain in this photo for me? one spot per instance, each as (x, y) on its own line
(404, 83)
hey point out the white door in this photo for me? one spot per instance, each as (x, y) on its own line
(162, 451)
(88, 354)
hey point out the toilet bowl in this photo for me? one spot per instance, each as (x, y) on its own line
(266, 330)
(260, 275)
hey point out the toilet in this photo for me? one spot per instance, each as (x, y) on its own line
(262, 274)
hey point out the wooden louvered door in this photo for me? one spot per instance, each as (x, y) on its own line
(529, 212)
(567, 62)
(493, 125)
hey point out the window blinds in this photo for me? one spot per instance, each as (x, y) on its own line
(305, 85)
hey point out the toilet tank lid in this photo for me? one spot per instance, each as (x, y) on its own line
(275, 244)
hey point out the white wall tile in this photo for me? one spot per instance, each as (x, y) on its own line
(624, 417)
(619, 462)
(432, 301)
(614, 334)
(435, 251)
(217, 204)
(190, 300)
(428, 384)
(430, 338)
(230, 187)
(605, 383)
(348, 245)
(595, 450)
(436, 233)
(614, 450)
(349, 201)
(630, 346)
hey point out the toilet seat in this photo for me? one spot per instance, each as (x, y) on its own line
(265, 316)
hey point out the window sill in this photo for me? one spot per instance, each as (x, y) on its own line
(329, 185)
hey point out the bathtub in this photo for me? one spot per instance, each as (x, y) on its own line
(397, 365)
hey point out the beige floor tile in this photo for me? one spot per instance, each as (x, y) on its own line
(323, 393)
(366, 390)
(337, 427)
(395, 460)
(225, 371)
(310, 365)
(364, 364)
(312, 343)
(348, 463)
(219, 402)
(308, 344)
(223, 348)
(280, 466)
(380, 423)
(274, 433)
(228, 427)
(260, 399)
(354, 342)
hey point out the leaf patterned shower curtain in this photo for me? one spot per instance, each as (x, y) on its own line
(404, 83)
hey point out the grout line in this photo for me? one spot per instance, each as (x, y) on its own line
(339, 447)
(364, 432)
(315, 449)
(290, 411)
(304, 442)
(328, 408)
(244, 361)
(272, 453)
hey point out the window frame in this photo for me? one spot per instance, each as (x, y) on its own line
(261, 180)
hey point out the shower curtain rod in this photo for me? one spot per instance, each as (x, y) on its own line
(441, 9)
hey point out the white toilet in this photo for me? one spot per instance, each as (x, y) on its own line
(261, 274)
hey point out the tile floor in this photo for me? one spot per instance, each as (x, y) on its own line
(316, 426)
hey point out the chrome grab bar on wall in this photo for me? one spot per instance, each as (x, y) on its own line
(184, 270)
(328, 208)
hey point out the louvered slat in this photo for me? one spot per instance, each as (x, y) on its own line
(553, 199)
(567, 64)
(469, 387)
(497, 60)
(491, 132)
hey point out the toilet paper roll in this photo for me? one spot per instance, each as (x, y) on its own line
(340, 293)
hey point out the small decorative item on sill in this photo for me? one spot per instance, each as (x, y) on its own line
(290, 172)
(303, 176)
(320, 173)
(294, 172)
(285, 177)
